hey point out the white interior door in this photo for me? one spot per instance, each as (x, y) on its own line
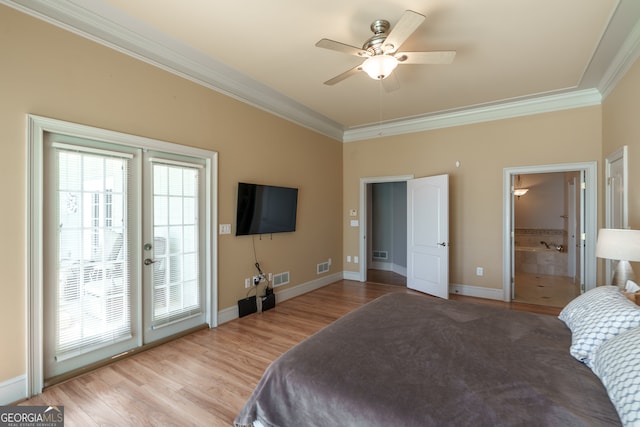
(616, 205)
(428, 235)
(572, 230)
(582, 227)
(512, 239)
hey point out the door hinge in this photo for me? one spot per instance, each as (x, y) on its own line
(583, 185)
(583, 236)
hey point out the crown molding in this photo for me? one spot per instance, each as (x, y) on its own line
(99, 22)
(103, 24)
(624, 59)
(503, 110)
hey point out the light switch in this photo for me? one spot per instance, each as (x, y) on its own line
(354, 223)
(225, 228)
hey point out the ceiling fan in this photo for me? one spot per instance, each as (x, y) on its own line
(381, 50)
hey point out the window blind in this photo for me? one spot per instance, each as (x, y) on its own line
(93, 298)
(176, 278)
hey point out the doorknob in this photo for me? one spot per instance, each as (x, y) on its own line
(148, 261)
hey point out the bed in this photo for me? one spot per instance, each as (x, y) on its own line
(413, 360)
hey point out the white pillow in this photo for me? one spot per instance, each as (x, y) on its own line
(617, 364)
(581, 304)
(604, 318)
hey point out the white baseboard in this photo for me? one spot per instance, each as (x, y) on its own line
(231, 313)
(476, 291)
(398, 269)
(351, 275)
(381, 265)
(13, 390)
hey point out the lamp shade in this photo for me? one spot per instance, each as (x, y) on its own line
(379, 66)
(618, 244)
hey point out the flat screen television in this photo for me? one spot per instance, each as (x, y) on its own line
(265, 209)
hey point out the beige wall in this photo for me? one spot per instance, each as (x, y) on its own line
(50, 72)
(476, 199)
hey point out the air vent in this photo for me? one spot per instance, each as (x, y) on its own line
(380, 255)
(280, 279)
(323, 267)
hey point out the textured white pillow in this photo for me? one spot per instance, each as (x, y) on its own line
(603, 319)
(617, 365)
(581, 304)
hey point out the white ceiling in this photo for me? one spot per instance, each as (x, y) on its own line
(513, 56)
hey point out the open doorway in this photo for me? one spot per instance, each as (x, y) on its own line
(383, 229)
(387, 231)
(547, 223)
(550, 232)
(418, 211)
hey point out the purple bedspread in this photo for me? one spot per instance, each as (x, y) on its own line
(411, 360)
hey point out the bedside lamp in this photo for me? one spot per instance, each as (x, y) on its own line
(622, 245)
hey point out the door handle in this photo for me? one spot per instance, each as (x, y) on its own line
(148, 261)
(441, 244)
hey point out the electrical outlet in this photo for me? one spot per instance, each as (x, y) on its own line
(479, 271)
(348, 258)
(270, 277)
(355, 259)
(247, 283)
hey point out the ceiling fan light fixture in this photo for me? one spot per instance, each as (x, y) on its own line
(379, 66)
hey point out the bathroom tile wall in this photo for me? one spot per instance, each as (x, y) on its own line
(533, 257)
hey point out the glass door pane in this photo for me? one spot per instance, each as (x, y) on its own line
(176, 281)
(88, 294)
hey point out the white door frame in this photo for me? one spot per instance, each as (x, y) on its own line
(36, 129)
(362, 275)
(590, 170)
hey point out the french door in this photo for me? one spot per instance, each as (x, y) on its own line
(124, 260)
(173, 265)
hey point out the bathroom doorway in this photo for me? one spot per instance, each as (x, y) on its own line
(546, 224)
(550, 233)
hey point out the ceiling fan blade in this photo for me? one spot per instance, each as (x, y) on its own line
(436, 57)
(341, 47)
(341, 77)
(408, 23)
(391, 82)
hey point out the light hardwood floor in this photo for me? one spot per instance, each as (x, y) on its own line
(203, 379)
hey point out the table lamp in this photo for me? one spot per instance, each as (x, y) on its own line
(622, 245)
